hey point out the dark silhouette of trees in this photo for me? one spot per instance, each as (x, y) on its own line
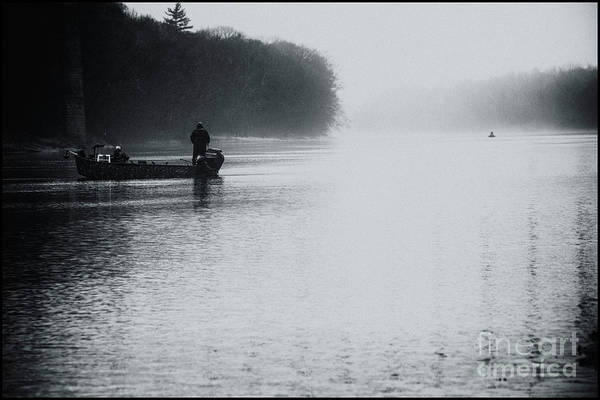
(143, 80)
(176, 18)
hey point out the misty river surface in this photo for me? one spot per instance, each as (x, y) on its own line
(337, 266)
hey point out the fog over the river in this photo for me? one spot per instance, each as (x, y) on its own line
(379, 48)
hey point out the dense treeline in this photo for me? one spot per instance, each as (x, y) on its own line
(144, 80)
(559, 99)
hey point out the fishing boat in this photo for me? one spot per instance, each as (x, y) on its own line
(102, 167)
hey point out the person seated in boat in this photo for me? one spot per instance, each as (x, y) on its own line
(200, 139)
(119, 156)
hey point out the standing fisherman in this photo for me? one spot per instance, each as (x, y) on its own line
(200, 139)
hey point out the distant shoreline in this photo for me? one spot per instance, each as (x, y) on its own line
(50, 146)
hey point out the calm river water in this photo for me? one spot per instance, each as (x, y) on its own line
(393, 266)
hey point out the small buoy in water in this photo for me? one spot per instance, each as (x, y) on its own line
(492, 134)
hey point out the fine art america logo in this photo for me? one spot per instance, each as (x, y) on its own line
(539, 350)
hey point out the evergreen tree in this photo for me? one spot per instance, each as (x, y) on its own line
(176, 18)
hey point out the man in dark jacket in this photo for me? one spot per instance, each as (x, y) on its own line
(200, 139)
(119, 156)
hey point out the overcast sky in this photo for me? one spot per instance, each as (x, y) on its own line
(379, 46)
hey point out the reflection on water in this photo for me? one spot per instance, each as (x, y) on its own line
(307, 268)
